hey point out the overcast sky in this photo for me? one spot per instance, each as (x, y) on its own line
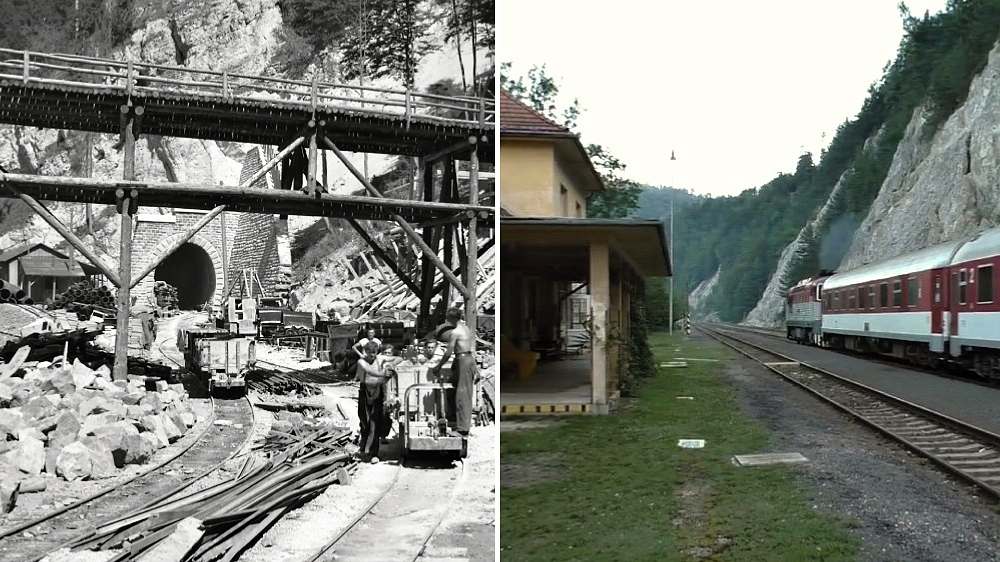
(738, 89)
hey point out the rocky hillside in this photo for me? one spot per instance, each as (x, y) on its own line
(917, 165)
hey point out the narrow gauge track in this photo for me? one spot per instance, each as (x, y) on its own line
(967, 451)
(400, 522)
(34, 538)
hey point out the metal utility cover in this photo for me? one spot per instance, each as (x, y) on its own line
(768, 458)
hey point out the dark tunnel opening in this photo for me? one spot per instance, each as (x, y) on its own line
(191, 271)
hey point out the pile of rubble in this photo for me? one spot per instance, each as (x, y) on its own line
(76, 423)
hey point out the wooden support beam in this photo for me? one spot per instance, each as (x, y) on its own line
(472, 247)
(384, 257)
(68, 235)
(120, 371)
(350, 268)
(176, 245)
(311, 187)
(410, 232)
(450, 150)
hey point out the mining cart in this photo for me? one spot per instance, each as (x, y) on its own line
(221, 357)
(423, 426)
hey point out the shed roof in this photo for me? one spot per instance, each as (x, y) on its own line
(516, 117)
(642, 242)
(26, 248)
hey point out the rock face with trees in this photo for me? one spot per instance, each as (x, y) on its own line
(917, 165)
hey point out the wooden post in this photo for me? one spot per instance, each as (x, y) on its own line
(120, 371)
(311, 189)
(472, 248)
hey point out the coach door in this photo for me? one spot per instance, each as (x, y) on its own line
(958, 298)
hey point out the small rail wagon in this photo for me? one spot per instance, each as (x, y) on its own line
(221, 357)
(423, 425)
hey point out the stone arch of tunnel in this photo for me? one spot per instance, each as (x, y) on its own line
(191, 271)
(195, 269)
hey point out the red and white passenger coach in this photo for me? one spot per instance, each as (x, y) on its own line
(923, 306)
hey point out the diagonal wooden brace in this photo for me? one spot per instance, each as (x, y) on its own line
(67, 234)
(405, 226)
(216, 211)
(385, 257)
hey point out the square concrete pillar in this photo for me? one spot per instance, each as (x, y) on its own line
(600, 305)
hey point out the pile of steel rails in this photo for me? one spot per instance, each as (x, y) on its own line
(221, 521)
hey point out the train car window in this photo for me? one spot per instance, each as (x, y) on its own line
(871, 297)
(984, 286)
(836, 300)
(850, 300)
(963, 284)
(883, 294)
(912, 291)
(861, 297)
(937, 290)
(897, 293)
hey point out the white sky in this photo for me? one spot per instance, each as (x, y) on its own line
(738, 89)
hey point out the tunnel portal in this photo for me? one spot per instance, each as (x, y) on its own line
(189, 269)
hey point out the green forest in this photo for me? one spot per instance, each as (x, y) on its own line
(937, 60)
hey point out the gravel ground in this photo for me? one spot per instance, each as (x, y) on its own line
(899, 505)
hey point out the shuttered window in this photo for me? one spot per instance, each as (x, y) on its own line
(984, 285)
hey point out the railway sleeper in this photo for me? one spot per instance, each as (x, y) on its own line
(977, 463)
(963, 456)
(975, 471)
(935, 443)
(939, 450)
(912, 431)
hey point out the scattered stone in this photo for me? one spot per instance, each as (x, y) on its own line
(38, 408)
(29, 432)
(154, 425)
(8, 495)
(11, 420)
(161, 385)
(66, 431)
(31, 456)
(173, 432)
(82, 375)
(92, 422)
(6, 393)
(133, 398)
(101, 456)
(177, 544)
(152, 400)
(33, 484)
(74, 462)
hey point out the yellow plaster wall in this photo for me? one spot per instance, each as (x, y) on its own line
(527, 179)
(575, 195)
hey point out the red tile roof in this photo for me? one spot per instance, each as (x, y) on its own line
(518, 118)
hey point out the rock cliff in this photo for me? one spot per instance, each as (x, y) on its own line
(941, 186)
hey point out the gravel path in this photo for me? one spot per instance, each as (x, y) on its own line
(899, 505)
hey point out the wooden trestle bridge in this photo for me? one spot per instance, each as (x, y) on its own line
(302, 117)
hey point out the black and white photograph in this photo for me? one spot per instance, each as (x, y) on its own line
(247, 280)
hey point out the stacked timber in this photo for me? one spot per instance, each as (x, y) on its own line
(273, 382)
(67, 420)
(223, 521)
(166, 295)
(12, 294)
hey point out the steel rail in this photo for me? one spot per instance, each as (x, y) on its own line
(977, 437)
(385, 493)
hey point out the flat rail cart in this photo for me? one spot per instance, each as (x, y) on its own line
(423, 425)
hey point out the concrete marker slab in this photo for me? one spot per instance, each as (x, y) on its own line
(765, 459)
(691, 443)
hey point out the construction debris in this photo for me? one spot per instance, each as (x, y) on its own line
(166, 295)
(222, 521)
(68, 420)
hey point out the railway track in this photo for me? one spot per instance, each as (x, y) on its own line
(33, 538)
(967, 451)
(400, 523)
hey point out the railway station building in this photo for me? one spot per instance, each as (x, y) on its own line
(568, 282)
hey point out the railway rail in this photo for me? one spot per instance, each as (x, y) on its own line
(390, 527)
(967, 451)
(34, 538)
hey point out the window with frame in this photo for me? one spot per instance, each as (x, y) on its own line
(836, 300)
(850, 300)
(897, 293)
(963, 286)
(912, 291)
(984, 285)
(861, 297)
(872, 303)
(883, 294)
